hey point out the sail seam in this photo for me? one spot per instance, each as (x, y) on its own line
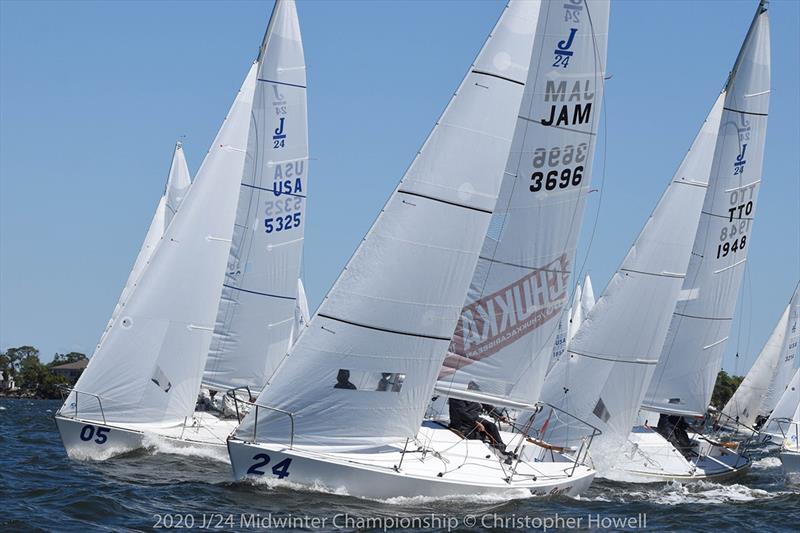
(701, 317)
(573, 130)
(283, 83)
(487, 211)
(660, 274)
(259, 293)
(692, 183)
(273, 191)
(613, 360)
(498, 76)
(745, 112)
(726, 216)
(377, 328)
(553, 270)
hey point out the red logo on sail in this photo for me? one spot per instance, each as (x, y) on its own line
(500, 318)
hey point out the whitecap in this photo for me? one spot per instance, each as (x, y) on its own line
(766, 462)
(705, 492)
(159, 444)
(498, 497)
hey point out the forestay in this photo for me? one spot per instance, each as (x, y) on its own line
(759, 392)
(256, 311)
(609, 363)
(149, 367)
(364, 369)
(692, 354)
(508, 326)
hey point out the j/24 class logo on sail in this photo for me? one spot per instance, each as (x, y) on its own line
(562, 52)
(279, 104)
(573, 10)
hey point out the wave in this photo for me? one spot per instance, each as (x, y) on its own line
(704, 492)
(766, 462)
(317, 487)
(158, 444)
(463, 498)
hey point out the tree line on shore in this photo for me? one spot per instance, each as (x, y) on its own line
(36, 379)
(31, 377)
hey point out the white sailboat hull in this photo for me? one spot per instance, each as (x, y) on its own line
(96, 441)
(461, 467)
(654, 459)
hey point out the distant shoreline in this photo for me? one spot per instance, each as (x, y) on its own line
(5, 396)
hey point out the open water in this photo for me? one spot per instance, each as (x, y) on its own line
(41, 490)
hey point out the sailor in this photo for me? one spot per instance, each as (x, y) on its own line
(465, 417)
(343, 380)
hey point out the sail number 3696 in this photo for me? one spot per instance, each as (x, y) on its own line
(556, 178)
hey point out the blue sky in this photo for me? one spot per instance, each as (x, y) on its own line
(93, 96)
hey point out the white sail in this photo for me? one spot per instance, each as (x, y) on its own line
(391, 312)
(576, 315)
(609, 363)
(692, 354)
(505, 336)
(587, 296)
(149, 367)
(256, 311)
(301, 314)
(762, 387)
(787, 408)
(178, 182)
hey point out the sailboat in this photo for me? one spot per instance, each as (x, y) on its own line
(145, 377)
(758, 394)
(263, 306)
(603, 376)
(582, 303)
(691, 357)
(345, 408)
(785, 420)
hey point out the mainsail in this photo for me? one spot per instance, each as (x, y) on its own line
(256, 311)
(363, 370)
(609, 363)
(504, 338)
(759, 392)
(178, 182)
(149, 367)
(692, 354)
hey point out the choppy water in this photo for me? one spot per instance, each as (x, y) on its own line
(41, 490)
